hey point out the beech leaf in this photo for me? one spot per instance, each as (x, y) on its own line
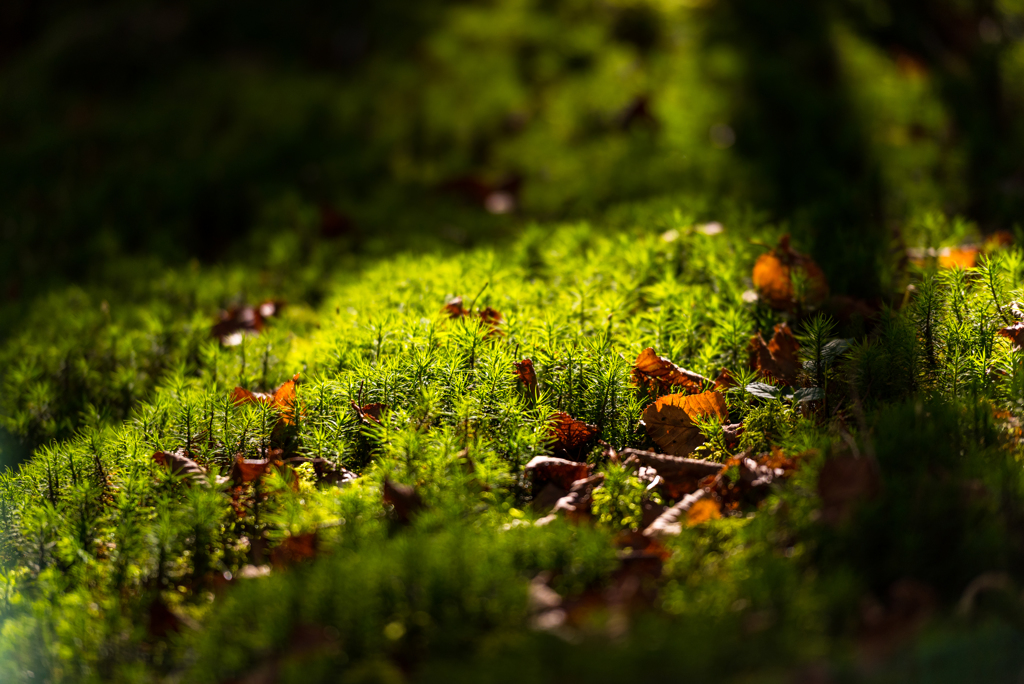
(671, 420)
(661, 375)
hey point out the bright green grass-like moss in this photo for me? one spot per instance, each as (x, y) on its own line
(95, 534)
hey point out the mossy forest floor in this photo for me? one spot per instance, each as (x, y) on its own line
(360, 481)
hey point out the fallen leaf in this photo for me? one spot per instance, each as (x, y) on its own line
(725, 380)
(370, 414)
(702, 511)
(1014, 333)
(777, 359)
(669, 523)
(180, 463)
(245, 470)
(670, 421)
(576, 504)
(558, 471)
(775, 272)
(962, 257)
(283, 399)
(455, 309)
(237, 321)
(661, 375)
(490, 317)
(493, 319)
(526, 374)
(404, 499)
(573, 438)
(680, 476)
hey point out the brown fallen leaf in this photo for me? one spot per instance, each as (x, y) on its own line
(680, 476)
(558, 471)
(725, 380)
(526, 374)
(370, 414)
(670, 421)
(244, 470)
(785, 278)
(1014, 333)
(237, 321)
(576, 504)
(573, 438)
(843, 482)
(778, 359)
(180, 463)
(455, 309)
(661, 375)
(670, 523)
(493, 319)
(490, 317)
(404, 499)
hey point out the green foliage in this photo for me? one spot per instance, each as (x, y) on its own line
(98, 539)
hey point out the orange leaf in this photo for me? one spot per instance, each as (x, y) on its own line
(246, 470)
(573, 438)
(702, 511)
(660, 374)
(964, 257)
(775, 272)
(670, 421)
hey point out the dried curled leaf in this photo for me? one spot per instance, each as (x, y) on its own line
(491, 318)
(779, 358)
(245, 470)
(679, 476)
(1014, 333)
(558, 471)
(661, 375)
(671, 420)
(573, 438)
(670, 522)
(526, 374)
(237, 321)
(282, 399)
(180, 463)
(785, 278)
(370, 414)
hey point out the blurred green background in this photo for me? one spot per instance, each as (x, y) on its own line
(155, 133)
